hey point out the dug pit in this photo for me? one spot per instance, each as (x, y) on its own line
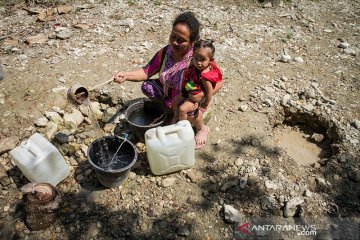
(305, 137)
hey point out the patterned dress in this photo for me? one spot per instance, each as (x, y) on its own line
(171, 75)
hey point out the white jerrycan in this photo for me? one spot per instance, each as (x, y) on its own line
(170, 148)
(40, 161)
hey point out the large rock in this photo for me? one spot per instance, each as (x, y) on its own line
(50, 130)
(231, 214)
(4, 179)
(64, 136)
(8, 143)
(40, 38)
(167, 182)
(74, 119)
(41, 122)
(109, 114)
(54, 117)
(95, 109)
(291, 206)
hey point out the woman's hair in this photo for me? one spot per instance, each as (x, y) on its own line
(189, 19)
(206, 44)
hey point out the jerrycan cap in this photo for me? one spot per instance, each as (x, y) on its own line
(25, 144)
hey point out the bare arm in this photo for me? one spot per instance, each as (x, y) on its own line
(209, 93)
(136, 75)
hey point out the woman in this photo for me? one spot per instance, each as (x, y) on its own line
(170, 63)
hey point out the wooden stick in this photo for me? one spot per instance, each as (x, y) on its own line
(101, 84)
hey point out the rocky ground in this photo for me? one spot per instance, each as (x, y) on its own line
(290, 66)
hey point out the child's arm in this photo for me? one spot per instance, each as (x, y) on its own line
(209, 93)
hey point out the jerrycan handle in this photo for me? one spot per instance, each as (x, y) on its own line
(36, 151)
(161, 132)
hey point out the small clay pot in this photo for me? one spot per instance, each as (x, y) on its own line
(78, 94)
(41, 206)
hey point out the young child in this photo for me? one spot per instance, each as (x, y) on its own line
(200, 79)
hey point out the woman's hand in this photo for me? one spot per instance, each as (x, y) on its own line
(119, 77)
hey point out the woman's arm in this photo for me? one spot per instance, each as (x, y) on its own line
(136, 75)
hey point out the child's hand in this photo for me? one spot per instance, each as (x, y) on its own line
(203, 109)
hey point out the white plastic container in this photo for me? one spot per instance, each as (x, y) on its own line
(170, 148)
(40, 161)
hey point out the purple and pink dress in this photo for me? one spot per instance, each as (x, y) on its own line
(171, 76)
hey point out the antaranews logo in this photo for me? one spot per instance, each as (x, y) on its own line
(242, 231)
(254, 230)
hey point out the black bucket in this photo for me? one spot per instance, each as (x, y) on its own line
(144, 115)
(100, 154)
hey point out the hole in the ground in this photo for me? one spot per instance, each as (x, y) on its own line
(306, 138)
(300, 146)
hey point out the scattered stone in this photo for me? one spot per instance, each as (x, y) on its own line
(167, 182)
(253, 181)
(109, 114)
(229, 184)
(239, 162)
(231, 214)
(50, 130)
(285, 58)
(316, 137)
(267, 5)
(64, 9)
(54, 117)
(308, 193)
(243, 182)
(356, 124)
(155, 211)
(4, 179)
(308, 107)
(96, 109)
(268, 203)
(73, 162)
(350, 51)
(6, 208)
(64, 136)
(283, 78)
(270, 184)
(344, 45)
(268, 102)
(38, 39)
(84, 109)
(8, 144)
(80, 177)
(128, 23)
(243, 107)
(141, 146)
(291, 206)
(299, 59)
(82, 26)
(60, 101)
(194, 176)
(354, 174)
(184, 231)
(109, 128)
(63, 33)
(74, 119)
(321, 182)
(285, 99)
(92, 230)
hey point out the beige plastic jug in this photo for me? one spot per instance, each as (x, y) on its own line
(40, 161)
(170, 148)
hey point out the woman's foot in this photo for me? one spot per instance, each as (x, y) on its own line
(201, 137)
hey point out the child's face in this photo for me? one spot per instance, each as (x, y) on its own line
(202, 58)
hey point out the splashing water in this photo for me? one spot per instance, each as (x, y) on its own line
(116, 161)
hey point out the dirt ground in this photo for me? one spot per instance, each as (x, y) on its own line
(290, 68)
